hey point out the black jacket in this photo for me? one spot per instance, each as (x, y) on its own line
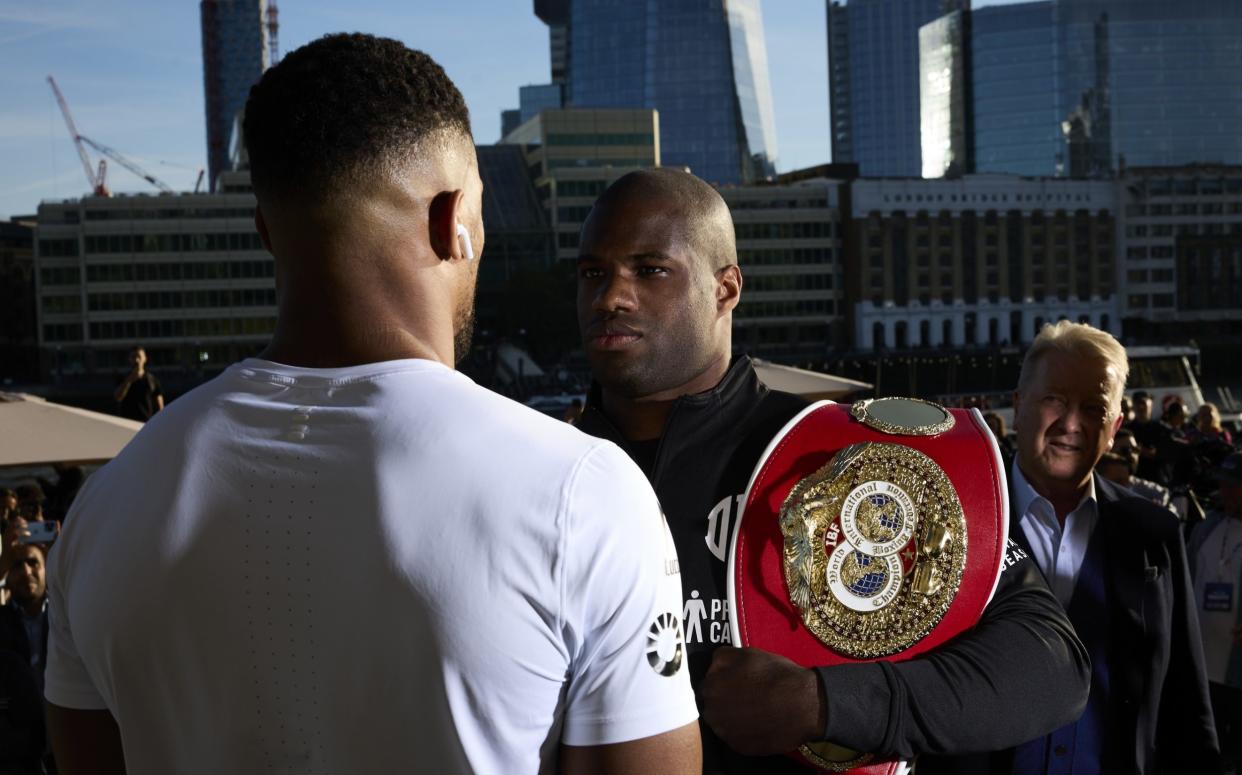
(1019, 674)
(1162, 717)
(23, 738)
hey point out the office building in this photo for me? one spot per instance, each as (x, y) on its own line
(1182, 253)
(555, 14)
(1082, 88)
(18, 322)
(873, 73)
(184, 275)
(572, 155)
(1156, 82)
(1015, 127)
(519, 238)
(540, 97)
(702, 64)
(235, 54)
(789, 246)
(979, 261)
(944, 96)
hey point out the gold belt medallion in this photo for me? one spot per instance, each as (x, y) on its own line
(875, 546)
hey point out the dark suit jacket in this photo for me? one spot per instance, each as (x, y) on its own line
(13, 635)
(1159, 681)
(1162, 717)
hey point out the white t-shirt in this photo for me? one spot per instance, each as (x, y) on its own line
(383, 568)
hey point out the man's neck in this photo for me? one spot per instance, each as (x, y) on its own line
(332, 335)
(1063, 497)
(31, 608)
(643, 419)
(638, 420)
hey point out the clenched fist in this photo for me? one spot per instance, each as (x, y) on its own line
(761, 703)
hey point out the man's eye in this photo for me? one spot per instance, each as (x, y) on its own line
(1056, 402)
(590, 273)
(652, 270)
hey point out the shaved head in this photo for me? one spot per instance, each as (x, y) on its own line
(698, 206)
(657, 283)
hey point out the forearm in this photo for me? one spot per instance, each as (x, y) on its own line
(1020, 673)
(85, 741)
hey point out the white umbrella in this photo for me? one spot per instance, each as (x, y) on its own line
(809, 384)
(35, 431)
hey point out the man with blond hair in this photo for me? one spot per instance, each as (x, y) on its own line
(1115, 561)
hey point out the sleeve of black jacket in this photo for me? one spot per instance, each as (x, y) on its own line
(1020, 673)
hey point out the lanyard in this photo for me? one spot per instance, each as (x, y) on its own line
(1224, 563)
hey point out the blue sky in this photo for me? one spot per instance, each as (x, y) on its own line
(131, 71)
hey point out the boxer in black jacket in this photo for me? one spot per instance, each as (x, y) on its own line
(657, 284)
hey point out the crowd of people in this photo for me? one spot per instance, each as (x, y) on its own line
(507, 593)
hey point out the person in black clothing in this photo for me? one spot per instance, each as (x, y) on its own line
(139, 393)
(657, 284)
(23, 656)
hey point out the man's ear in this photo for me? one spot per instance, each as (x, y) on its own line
(261, 226)
(442, 219)
(728, 288)
(1117, 421)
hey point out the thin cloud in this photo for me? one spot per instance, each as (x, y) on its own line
(68, 176)
(80, 17)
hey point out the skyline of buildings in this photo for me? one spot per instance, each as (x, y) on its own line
(1132, 82)
(836, 260)
(833, 263)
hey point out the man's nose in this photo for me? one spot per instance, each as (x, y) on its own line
(616, 292)
(1075, 418)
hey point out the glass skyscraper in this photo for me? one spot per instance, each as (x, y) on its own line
(235, 54)
(1017, 127)
(944, 99)
(1074, 87)
(873, 70)
(1159, 83)
(702, 64)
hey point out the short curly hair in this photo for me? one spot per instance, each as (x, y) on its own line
(342, 109)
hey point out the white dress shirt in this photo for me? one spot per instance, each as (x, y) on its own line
(1058, 549)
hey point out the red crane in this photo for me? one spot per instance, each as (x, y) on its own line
(273, 24)
(97, 180)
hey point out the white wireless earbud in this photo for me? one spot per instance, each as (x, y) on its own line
(465, 239)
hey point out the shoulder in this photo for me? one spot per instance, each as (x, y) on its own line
(1200, 532)
(770, 410)
(1143, 517)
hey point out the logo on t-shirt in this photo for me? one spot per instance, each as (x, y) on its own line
(1014, 554)
(664, 644)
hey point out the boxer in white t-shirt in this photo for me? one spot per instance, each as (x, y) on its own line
(343, 556)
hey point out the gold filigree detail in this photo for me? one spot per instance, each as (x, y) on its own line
(833, 757)
(810, 523)
(864, 412)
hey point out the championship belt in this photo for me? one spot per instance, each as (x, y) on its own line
(870, 532)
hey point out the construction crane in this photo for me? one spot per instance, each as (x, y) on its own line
(98, 180)
(273, 24)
